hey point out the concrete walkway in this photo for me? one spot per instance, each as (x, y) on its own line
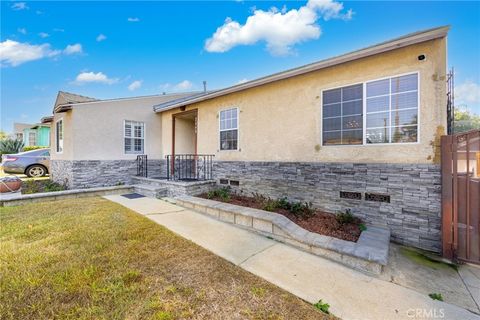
(351, 294)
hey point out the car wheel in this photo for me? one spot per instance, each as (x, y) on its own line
(36, 171)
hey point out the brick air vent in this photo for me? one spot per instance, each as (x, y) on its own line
(234, 182)
(377, 197)
(223, 181)
(350, 195)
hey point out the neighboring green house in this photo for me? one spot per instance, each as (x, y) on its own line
(37, 134)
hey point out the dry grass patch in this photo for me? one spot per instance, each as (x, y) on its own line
(94, 259)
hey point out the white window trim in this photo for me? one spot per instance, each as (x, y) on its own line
(144, 138)
(56, 136)
(364, 108)
(238, 129)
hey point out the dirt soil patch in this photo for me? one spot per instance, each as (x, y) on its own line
(93, 259)
(320, 222)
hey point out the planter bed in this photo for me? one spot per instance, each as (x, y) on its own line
(368, 254)
(319, 222)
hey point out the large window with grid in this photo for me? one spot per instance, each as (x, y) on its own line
(134, 137)
(392, 110)
(342, 115)
(229, 129)
(59, 136)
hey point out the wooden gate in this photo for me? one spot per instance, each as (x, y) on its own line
(461, 196)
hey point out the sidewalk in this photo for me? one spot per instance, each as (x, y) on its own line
(351, 294)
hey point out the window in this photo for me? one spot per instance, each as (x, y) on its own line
(59, 135)
(32, 138)
(392, 110)
(229, 129)
(19, 135)
(342, 115)
(134, 136)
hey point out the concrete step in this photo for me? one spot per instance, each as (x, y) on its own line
(150, 191)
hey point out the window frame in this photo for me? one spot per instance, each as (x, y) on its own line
(364, 112)
(133, 152)
(32, 138)
(57, 139)
(220, 130)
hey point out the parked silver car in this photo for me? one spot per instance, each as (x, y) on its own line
(35, 163)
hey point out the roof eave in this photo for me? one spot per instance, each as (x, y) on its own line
(355, 55)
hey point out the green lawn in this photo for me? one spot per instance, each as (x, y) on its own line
(93, 259)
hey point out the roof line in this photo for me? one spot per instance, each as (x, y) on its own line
(67, 106)
(400, 42)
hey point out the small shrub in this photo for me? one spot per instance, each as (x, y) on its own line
(322, 306)
(362, 227)
(345, 217)
(10, 146)
(222, 193)
(302, 209)
(283, 203)
(36, 186)
(30, 148)
(270, 205)
(436, 296)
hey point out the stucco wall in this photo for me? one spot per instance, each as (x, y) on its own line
(184, 136)
(94, 130)
(281, 121)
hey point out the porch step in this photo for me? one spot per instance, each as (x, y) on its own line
(150, 190)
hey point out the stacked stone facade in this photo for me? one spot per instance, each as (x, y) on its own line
(412, 215)
(79, 174)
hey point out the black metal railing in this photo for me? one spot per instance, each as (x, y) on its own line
(190, 167)
(142, 165)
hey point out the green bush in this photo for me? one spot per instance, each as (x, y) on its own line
(345, 217)
(9, 146)
(302, 209)
(322, 306)
(29, 148)
(37, 186)
(222, 193)
(436, 296)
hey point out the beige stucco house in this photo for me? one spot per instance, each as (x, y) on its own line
(357, 131)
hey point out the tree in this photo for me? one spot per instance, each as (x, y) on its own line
(465, 120)
(3, 135)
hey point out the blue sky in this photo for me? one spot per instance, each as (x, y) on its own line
(119, 49)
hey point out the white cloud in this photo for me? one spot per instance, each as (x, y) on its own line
(43, 35)
(467, 93)
(73, 49)
(90, 77)
(19, 6)
(184, 85)
(135, 85)
(15, 53)
(101, 37)
(280, 29)
(134, 19)
(181, 86)
(22, 30)
(242, 81)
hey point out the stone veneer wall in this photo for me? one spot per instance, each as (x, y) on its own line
(413, 214)
(78, 174)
